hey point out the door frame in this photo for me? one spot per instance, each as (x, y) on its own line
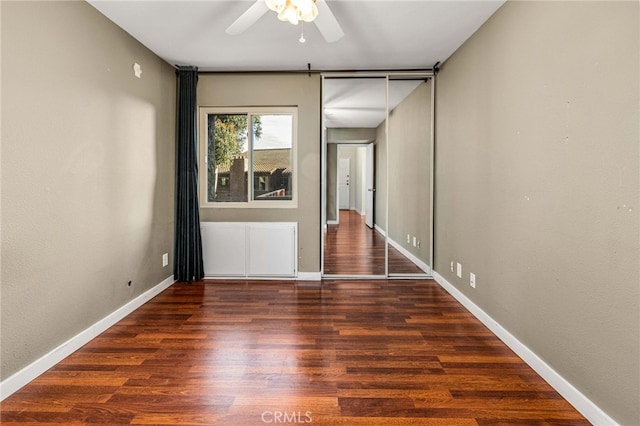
(369, 168)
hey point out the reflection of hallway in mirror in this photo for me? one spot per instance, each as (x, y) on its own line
(352, 248)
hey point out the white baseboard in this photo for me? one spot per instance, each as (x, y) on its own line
(309, 276)
(584, 405)
(332, 222)
(412, 257)
(13, 383)
(380, 230)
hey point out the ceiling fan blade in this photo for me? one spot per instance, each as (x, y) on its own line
(248, 18)
(327, 23)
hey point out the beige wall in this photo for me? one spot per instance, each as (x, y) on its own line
(278, 90)
(87, 173)
(537, 187)
(410, 171)
(351, 135)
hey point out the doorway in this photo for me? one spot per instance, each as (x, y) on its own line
(355, 180)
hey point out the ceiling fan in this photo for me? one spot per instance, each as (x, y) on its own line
(322, 17)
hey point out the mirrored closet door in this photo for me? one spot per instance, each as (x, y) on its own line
(354, 113)
(377, 175)
(410, 167)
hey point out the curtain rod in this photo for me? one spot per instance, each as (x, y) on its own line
(433, 71)
(360, 71)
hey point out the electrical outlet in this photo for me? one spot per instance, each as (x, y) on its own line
(415, 241)
(459, 270)
(452, 266)
(408, 238)
(472, 280)
(165, 259)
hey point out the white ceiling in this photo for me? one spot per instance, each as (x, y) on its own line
(361, 102)
(379, 34)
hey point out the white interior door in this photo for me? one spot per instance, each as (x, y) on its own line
(344, 176)
(368, 206)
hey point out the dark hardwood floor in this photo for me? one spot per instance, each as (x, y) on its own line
(337, 353)
(352, 248)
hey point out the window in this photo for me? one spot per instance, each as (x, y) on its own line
(247, 157)
(261, 184)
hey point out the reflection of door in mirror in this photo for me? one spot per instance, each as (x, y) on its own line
(368, 186)
(344, 171)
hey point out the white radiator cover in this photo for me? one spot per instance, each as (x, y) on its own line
(249, 249)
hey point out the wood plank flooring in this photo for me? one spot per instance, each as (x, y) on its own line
(352, 248)
(252, 353)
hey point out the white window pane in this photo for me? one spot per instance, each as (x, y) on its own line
(227, 166)
(273, 157)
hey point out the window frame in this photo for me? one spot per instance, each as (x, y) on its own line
(203, 175)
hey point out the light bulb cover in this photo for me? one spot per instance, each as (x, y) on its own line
(289, 13)
(308, 14)
(276, 5)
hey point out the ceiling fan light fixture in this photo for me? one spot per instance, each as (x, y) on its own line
(276, 5)
(294, 11)
(289, 13)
